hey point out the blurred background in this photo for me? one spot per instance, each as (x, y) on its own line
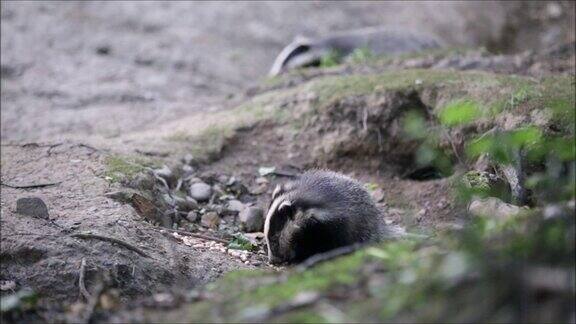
(81, 68)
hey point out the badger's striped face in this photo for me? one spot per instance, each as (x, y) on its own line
(279, 226)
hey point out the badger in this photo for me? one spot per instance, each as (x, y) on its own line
(380, 40)
(318, 212)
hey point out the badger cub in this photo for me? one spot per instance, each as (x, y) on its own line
(318, 212)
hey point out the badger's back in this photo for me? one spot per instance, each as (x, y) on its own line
(347, 205)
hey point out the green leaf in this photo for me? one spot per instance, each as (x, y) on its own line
(241, 243)
(525, 136)
(22, 299)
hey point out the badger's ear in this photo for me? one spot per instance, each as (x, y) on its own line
(301, 39)
(286, 204)
(277, 191)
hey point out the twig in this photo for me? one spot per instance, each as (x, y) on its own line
(32, 144)
(453, 147)
(321, 257)
(31, 186)
(81, 284)
(111, 240)
(200, 236)
(284, 174)
(92, 303)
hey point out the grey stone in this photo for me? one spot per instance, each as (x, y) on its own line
(210, 220)
(192, 217)
(188, 159)
(200, 191)
(169, 199)
(378, 195)
(165, 173)
(32, 206)
(142, 182)
(235, 206)
(252, 219)
(120, 196)
(186, 204)
(492, 207)
(222, 179)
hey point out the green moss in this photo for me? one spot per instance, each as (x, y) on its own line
(301, 316)
(439, 279)
(124, 168)
(477, 180)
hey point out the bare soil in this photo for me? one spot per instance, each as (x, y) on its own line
(83, 80)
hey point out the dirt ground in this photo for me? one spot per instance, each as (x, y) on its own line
(83, 80)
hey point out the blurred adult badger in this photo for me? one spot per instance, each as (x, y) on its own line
(303, 52)
(319, 212)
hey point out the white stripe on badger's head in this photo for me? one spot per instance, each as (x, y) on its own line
(278, 204)
(299, 44)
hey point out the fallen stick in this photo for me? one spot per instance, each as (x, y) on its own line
(92, 303)
(321, 257)
(81, 284)
(200, 236)
(111, 240)
(31, 186)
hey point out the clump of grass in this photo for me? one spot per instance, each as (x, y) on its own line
(331, 59)
(124, 168)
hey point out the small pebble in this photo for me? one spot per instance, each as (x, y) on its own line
(200, 191)
(210, 220)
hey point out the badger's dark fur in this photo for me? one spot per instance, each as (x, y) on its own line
(304, 51)
(318, 212)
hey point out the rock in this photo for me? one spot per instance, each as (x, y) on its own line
(188, 159)
(32, 206)
(192, 217)
(200, 191)
(222, 179)
(558, 211)
(261, 180)
(187, 170)
(235, 206)
(219, 209)
(493, 208)
(210, 220)
(186, 204)
(165, 173)
(252, 219)
(120, 196)
(378, 195)
(171, 201)
(218, 190)
(7, 285)
(142, 182)
(231, 181)
(257, 190)
(103, 50)
(237, 188)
